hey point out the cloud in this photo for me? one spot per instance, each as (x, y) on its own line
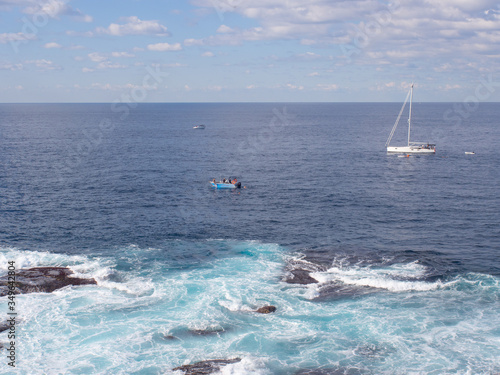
(56, 8)
(327, 87)
(44, 65)
(164, 47)
(208, 54)
(294, 87)
(115, 87)
(122, 54)
(11, 67)
(96, 57)
(369, 32)
(104, 62)
(52, 45)
(15, 37)
(110, 65)
(133, 26)
(224, 29)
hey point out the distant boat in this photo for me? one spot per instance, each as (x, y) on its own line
(199, 127)
(470, 153)
(225, 185)
(412, 147)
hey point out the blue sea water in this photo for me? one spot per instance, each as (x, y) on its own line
(405, 251)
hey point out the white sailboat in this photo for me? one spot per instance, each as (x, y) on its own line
(412, 147)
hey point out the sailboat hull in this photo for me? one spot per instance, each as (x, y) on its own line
(411, 150)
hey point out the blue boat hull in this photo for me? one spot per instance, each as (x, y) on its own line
(221, 185)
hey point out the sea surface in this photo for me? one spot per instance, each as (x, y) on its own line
(403, 251)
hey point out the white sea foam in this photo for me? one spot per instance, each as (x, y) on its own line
(28, 259)
(247, 366)
(107, 329)
(395, 278)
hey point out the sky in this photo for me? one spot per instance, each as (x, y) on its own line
(249, 51)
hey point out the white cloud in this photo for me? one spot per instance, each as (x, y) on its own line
(96, 57)
(11, 67)
(164, 47)
(44, 65)
(134, 26)
(294, 87)
(13, 37)
(193, 42)
(428, 33)
(224, 29)
(115, 87)
(52, 45)
(87, 70)
(110, 65)
(327, 87)
(122, 54)
(56, 8)
(208, 54)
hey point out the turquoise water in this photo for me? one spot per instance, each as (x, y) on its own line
(125, 324)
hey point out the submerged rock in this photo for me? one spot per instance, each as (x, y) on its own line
(206, 332)
(42, 279)
(206, 367)
(266, 309)
(332, 371)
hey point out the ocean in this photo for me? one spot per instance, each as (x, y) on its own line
(401, 254)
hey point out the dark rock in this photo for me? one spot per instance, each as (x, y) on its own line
(42, 279)
(206, 367)
(298, 271)
(170, 337)
(300, 276)
(266, 309)
(4, 326)
(206, 332)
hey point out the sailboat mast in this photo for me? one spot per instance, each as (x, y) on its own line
(409, 116)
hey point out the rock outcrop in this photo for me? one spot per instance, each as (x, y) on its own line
(42, 279)
(206, 367)
(266, 309)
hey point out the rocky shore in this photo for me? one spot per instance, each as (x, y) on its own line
(42, 280)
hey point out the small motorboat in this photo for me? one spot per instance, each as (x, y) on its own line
(470, 153)
(199, 127)
(225, 185)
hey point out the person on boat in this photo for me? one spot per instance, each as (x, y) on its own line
(213, 180)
